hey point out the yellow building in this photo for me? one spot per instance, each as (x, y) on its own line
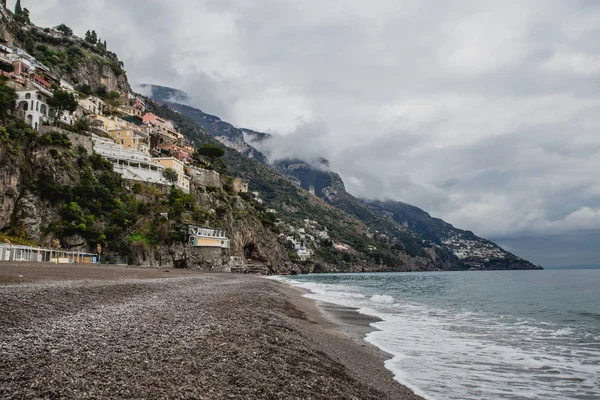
(188, 147)
(130, 139)
(183, 181)
(206, 237)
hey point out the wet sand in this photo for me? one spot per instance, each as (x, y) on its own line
(114, 332)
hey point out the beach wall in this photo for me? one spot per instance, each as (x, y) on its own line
(179, 256)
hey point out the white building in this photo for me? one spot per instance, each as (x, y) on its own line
(67, 117)
(130, 163)
(92, 104)
(33, 104)
(207, 237)
(66, 86)
(323, 235)
(303, 253)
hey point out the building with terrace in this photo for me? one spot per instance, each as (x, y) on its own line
(130, 163)
(131, 139)
(33, 104)
(92, 105)
(178, 152)
(207, 237)
(165, 128)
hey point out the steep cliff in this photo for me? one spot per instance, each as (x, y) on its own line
(405, 236)
(351, 244)
(55, 193)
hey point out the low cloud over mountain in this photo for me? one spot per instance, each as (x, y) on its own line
(482, 113)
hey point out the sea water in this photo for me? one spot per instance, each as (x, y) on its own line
(480, 335)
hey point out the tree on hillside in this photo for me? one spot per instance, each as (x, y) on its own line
(82, 124)
(170, 174)
(102, 92)
(8, 96)
(113, 98)
(3, 2)
(211, 151)
(91, 37)
(64, 29)
(6, 67)
(62, 101)
(84, 88)
(21, 14)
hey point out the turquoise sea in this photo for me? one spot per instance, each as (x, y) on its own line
(480, 335)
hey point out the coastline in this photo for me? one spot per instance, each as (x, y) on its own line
(122, 332)
(340, 332)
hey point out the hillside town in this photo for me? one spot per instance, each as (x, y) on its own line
(473, 249)
(140, 145)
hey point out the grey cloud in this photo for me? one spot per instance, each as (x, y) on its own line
(483, 113)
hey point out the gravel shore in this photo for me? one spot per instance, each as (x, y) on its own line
(113, 332)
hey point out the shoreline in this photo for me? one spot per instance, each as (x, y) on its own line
(356, 326)
(123, 332)
(349, 328)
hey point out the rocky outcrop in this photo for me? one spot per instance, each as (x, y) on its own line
(33, 215)
(5, 36)
(98, 72)
(10, 178)
(179, 256)
(251, 240)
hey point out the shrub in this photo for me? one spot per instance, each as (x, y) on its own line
(55, 139)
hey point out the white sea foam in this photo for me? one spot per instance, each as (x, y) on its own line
(382, 298)
(462, 354)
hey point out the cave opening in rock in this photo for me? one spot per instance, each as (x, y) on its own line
(250, 250)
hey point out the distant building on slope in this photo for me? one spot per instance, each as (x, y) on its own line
(240, 185)
(178, 152)
(207, 237)
(164, 127)
(93, 105)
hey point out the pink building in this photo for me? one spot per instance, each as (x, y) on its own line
(178, 152)
(156, 120)
(21, 68)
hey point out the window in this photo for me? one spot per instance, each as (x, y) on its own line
(28, 95)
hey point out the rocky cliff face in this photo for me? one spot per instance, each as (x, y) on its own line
(96, 73)
(5, 19)
(416, 240)
(23, 210)
(34, 172)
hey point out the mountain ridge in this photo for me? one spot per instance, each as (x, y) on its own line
(392, 221)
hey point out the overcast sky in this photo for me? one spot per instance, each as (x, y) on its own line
(484, 113)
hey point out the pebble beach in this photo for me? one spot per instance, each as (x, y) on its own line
(80, 331)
